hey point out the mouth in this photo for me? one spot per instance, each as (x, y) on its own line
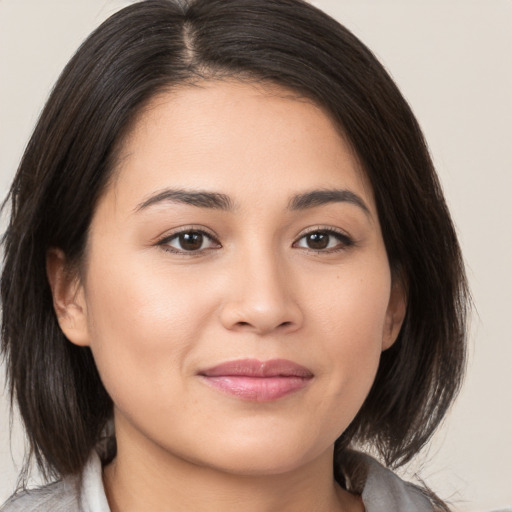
(257, 381)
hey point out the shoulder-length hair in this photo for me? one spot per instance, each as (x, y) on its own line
(152, 46)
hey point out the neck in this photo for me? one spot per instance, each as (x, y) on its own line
(149, 478)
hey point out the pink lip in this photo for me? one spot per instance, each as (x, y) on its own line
(253, 380)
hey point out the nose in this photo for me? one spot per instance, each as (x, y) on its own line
(261, 297)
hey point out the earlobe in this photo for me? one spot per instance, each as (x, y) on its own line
(68, 298)
(395, 314)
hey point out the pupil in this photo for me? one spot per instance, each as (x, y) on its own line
(318, 240)
(191, 241)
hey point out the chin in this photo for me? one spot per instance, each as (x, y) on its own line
(260, 457)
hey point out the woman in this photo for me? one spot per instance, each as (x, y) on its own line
(229, 270)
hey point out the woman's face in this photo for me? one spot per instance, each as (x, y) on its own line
(237, 294)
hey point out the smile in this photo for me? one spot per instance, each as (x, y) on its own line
(253, 380)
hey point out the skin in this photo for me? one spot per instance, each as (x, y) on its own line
(154, 314)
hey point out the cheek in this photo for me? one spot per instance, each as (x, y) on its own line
(143, 322)
(352, 307)
(350, 319)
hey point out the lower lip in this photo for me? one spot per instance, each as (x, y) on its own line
(257, 389)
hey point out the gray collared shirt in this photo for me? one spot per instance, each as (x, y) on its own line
(383, 491)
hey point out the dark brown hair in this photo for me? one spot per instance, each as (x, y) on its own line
(149, 47)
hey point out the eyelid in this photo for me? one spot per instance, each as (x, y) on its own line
(164, 240)
(346, 240)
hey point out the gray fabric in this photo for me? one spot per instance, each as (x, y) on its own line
(382, 492)
(69, 495)
(57, 497)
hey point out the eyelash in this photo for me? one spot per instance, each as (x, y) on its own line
(164, 242)
(344, 241)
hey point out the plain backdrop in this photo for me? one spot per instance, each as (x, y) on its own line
(452, 60)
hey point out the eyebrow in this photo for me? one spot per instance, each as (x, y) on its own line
(320, 197)
(218, 201)
(200, 199)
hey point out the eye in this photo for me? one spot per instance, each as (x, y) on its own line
(324, 240)
(190, 240)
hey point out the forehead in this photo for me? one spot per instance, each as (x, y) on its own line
(236, 137)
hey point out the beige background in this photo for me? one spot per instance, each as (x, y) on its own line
(453, 61)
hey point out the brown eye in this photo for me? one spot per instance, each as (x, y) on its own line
(192, 241)
(189, 241)
(324, 240)
(317, 240)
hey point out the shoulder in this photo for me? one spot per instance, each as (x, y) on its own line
(61, 496)
(84, 493)
(382, 490)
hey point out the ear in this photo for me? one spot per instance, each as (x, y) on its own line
(395, 313)
(68, 298)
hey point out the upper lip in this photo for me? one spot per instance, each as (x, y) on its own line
(255, 368)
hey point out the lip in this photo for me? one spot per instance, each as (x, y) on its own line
(257, 381)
